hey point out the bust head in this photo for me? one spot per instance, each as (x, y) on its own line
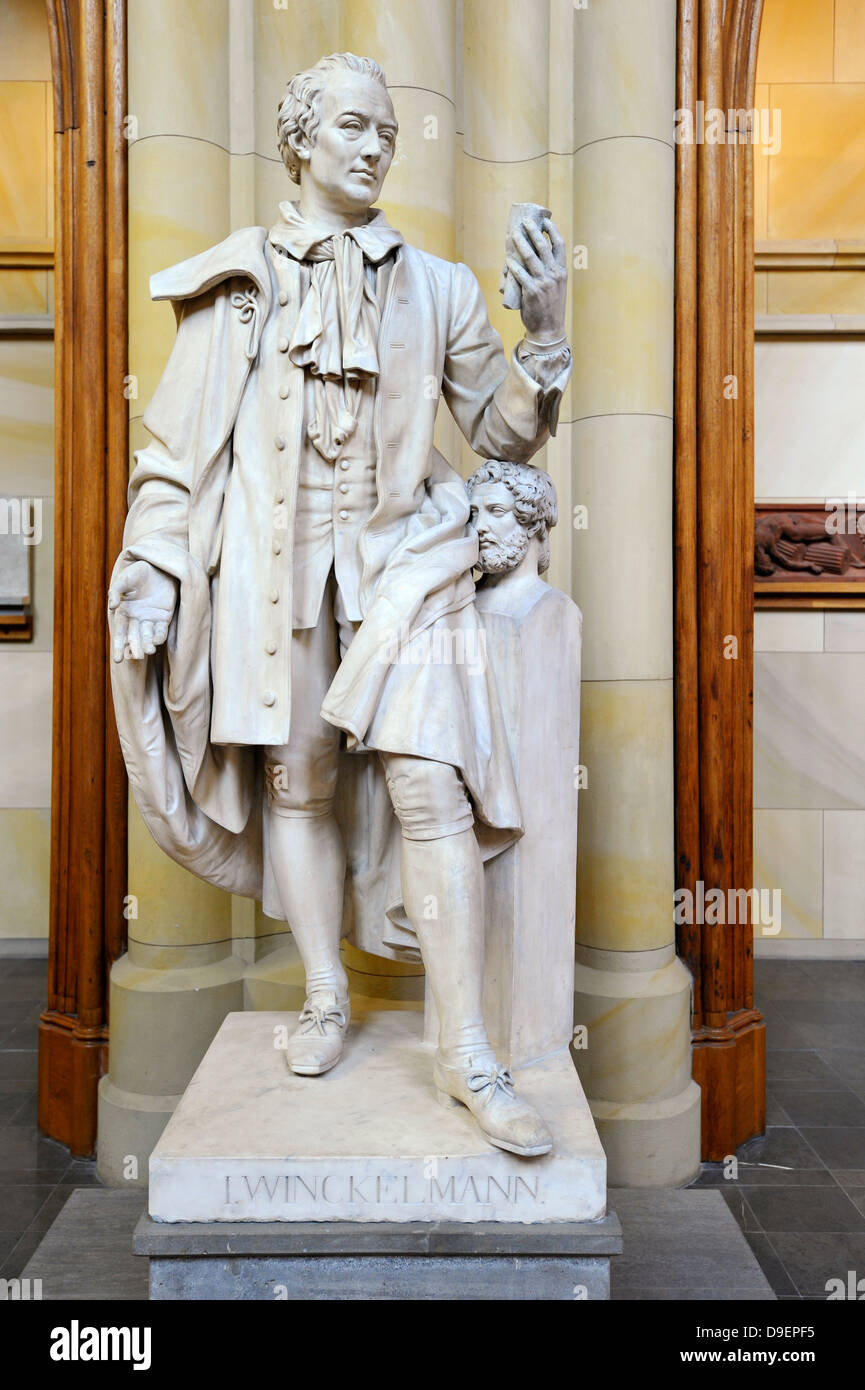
(513, 508)
(336, 130)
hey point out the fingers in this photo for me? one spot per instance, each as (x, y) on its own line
(532, 261)
(134, 647)
(160, 633)
(542, 247)
(557, 241)
(518, 270)
(119, 643)
(147, 642)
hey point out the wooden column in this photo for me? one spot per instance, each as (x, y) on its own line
(714, 492)
(88, 811)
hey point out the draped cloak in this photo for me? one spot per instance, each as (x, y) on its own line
(190, 717)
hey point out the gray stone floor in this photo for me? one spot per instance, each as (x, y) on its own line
(798, 1198)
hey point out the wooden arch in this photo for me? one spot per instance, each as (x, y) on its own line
(714, 507)
(88, 799)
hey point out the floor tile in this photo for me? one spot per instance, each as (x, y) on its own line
(804, 1209)
(813, 1258)
(780, 1281)
(837, 1108)
(837, 1146)
(799, 1065)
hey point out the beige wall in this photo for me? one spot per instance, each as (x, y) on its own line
(809, 742)
(26, 460)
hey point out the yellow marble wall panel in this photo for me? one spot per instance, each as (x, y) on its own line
(179, 68)
(788, 855)
(174, 908)
(26, 163)
(288, 38)
(625, 868)
(814, 292)
(845, 631)
(242, 191)
(415, 44)
(622, 561)
(849, 40)
(27, 417)
(624, 195)
(761, 173)
(809, 426)
(563, 17)
(843, 874)
(624, 70)
(797, 41)
(25, 847)
(506, 79)
(272, 187)
(42, 572)
(817, 180)
(179, 204)
(488, 190)
(809, 730)
(24, 292)
(420, 190)
(761, 292)
(25, 53)
(25, 727)
(783, 630)
(557, 459)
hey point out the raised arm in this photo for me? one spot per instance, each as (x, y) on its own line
(510, 411)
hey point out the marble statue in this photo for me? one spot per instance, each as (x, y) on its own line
(513, 509)
(293, 535)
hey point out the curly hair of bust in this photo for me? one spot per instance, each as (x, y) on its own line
(534, 496)
(297, 115)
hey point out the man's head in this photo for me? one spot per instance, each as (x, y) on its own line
(512, 504)
(336, 126)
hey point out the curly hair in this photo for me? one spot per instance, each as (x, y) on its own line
(297, 115)
(534, 494)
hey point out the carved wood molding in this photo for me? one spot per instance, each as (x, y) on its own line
(88, 810)
(714, 489)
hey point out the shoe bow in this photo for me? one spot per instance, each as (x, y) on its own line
(497, 1078)
(315, 1017)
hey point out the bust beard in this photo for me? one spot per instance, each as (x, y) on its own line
(495, 557)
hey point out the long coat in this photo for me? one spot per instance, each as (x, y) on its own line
(190, 717)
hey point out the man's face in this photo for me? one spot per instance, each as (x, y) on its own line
(502, 538)
(354, 143)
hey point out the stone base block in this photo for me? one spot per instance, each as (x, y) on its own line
(366, 1142)
(351, 1260)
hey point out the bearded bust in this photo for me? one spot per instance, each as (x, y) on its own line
(513, 509)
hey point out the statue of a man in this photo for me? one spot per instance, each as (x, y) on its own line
(289, 516)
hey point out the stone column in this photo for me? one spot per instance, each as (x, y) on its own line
(180, 977)
(632, 992)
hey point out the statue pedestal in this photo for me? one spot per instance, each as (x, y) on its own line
(361, 1168)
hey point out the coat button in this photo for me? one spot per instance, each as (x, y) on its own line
(343, 463)
(274, 596)
(283, 345)
(283, 391)
(270, 647)
(343, 516)
(279, 441)
(280, 497)
(343, 487)
(268, 698)
(283, 297)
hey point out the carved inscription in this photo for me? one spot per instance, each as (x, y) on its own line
(381, 1189)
